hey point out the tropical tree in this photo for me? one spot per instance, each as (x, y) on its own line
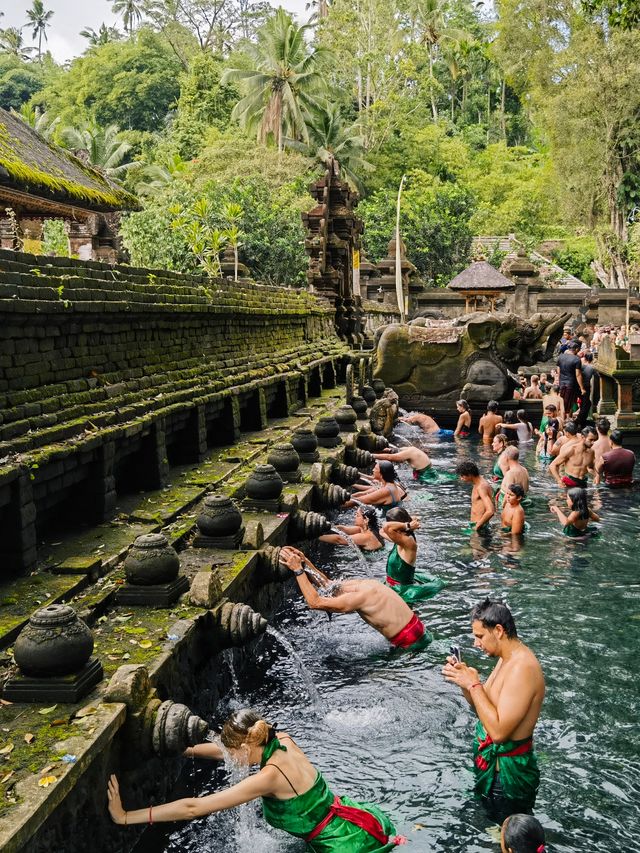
(103, 35)
(337, 145)
(157, 176)
(205, 240)
(43, 122)
(12, 42)
(39, 19)
(101, 147)
(233, 214)
(283, 83)
(131, 11)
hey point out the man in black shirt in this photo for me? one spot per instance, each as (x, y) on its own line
(571, 381)
(590, 379)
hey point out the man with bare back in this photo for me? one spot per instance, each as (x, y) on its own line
(376, 603)
(482, 506)
(578, 459)
(507, 705)
(425, 422)
(516, 474)
(489, 422)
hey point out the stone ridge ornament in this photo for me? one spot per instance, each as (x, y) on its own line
(285, 460)
(359, 405)
(305, 443)
(175, 728)
(151, 560)
(263, 489)
(369, 395)
(327, 431)
(379, 387)
(219, 524)
(346, 419)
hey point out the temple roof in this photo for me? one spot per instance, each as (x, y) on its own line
(479, 276)
(32, 166)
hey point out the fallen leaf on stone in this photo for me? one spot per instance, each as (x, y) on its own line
(145, 644)
(62, 721)
(124, 618)
(113, 657)
(45, 711)
(29, 738)
(5, 702)
(6, 778)
(126, 656)
(46, 781)
(46, 769)
(129, 630)
(87, 711)
(417, 826)
(7, 749)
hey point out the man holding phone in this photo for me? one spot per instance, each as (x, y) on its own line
(508, 706)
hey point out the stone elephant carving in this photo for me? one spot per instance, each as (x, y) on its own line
(469, 357)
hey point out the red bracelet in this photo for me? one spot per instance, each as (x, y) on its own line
(150, 815)
(477, 684)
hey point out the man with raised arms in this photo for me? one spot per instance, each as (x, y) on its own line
(507, 705)
(578, 459)
(377, 604)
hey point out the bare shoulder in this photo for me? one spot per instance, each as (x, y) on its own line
(527, 666)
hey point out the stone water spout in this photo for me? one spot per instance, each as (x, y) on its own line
(236, 624)
(361, 459)
(368, 440)
(344, 475)
(269, 564)
(329, 495)
(307, 525)
(175, 728)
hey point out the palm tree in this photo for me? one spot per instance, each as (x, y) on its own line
(337, 145)
(102, 36)
(42, 122)
(12, 42)
(282, 84)
(99, 147)
(39, 20)
(131, 10)
(156, 176)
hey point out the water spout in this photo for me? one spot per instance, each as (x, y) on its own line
(312, 690)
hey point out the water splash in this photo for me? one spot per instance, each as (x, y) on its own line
(314, 697)
(355, 548)
(230, 662)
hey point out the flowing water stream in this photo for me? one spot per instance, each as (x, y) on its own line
(389, 729)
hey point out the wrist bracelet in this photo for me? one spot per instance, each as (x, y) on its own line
(477, 684)
(298, 572)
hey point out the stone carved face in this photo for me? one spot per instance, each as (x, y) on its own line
(515, 340)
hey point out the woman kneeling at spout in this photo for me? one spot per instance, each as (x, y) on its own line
(295, 796)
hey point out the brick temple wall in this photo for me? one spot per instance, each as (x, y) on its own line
(110, 375)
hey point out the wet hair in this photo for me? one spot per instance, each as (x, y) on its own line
(517, 490)
(512, 453)
(399, 513)
(492, 406)
(521, 415)
(551, 407)
(502, 438)
(571, 428)
(246, 726)
(492, 613)
(534, 378)
(388, 471)
(603, 426)
(523, 833)
(589, 430)
(588, 356)
(554, 424)
(578, 498)
(467, 469)
(555, 389)
(617, 436)
(509, 417)
(463, 405)
(371, 515)
(574, 346)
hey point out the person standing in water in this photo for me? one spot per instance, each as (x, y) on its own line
(482, 506)
(499, 446)
(384, 491)
(400, 528)
(522, 833)
(513, 519)
(516, 473)
(423, 471)
(602, 444)
(617, 464)
(507, 706)
(425, 422)
(580, 514)
(489, 422)
(364, 532)
(377, 604)
(578, 459)
(463, 427)
(295, 796)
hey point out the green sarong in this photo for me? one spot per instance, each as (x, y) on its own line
(430, 475)
(409, 585)
(519, 773)
(575, 532)
(303, 814)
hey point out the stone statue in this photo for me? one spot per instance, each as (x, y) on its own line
(469, 357)
(384, 413)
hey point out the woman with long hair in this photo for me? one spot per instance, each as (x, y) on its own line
(499, 445)
(522, 833)
(295, 796)
(365, 531)
(576, 521)
(400, 528)
(385, 489)
(463, 427)
(548, 438)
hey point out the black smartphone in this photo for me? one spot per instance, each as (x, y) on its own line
(454, 651)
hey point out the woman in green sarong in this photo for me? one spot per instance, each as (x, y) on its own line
(576, 522)
(499, 445)
(401, 572)
(295, 796)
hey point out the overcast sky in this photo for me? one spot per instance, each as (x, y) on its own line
(71, 16)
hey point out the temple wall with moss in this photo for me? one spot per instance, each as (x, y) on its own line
(111, 375)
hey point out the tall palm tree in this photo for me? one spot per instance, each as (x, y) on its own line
(156, 176)
(104, 35)
(131, 11)
(100, 147)
(12, 42)
(39, 19)
(336, 144)
(42, 122)
(285, 78)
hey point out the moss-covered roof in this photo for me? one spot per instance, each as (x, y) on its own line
(31, 164)
(480, 275)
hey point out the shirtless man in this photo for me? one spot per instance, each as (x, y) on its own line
(554, 397)
(602, 444)
(425, 422)
(516, 473)
(569, 436)
(488, 425)
(376, 603)
(533, 392)
(482, 506)
(417, 458)
(578, 459)
(508, 706)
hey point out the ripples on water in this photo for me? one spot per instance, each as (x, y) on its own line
(391, 730)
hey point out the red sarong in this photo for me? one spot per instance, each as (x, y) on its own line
(522, 749)
(410, 634)
(359, 817)
(392, 581)
(574, 482)
(617, 480)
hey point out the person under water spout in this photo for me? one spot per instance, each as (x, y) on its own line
(295, 796)
(422, 469)
(400, 529)
(384, 489)
(376, 603)
(364, 532)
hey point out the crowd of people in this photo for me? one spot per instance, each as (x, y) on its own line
(295, 796)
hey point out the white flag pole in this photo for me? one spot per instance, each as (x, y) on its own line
(399, 291)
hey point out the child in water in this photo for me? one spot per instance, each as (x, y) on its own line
(577, 521)
(522, 833)
(513, 514)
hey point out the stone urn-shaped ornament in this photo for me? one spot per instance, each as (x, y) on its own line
(219, 524)
(284, 458)
(152, 570)
(327, 431)
(53, 653)
(369, 395)
(264, 487)
(359, 406)
(379, 387)
(305, 444)
(346, 418)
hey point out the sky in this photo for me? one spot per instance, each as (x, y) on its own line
(71, 16)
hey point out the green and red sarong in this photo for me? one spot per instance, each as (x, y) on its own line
(410, 585)
(514, 760)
